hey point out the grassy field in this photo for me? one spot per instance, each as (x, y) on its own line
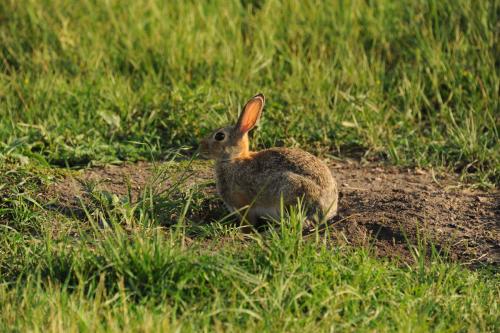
(86, 83)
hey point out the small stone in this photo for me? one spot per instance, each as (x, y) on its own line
(419, 171)
(481, 199)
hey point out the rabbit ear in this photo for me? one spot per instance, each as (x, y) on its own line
(250, 114)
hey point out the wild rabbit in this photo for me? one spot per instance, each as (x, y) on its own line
(258, 181)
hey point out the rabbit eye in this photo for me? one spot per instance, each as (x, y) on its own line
(219, 136)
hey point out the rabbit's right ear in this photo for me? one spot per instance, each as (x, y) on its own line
(250, 114)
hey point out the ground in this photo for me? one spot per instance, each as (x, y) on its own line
(389, 208)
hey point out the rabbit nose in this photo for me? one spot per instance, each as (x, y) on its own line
(204, 149)
(203, 145)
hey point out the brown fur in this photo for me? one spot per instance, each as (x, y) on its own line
(260, 180)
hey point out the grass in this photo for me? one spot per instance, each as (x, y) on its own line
(413, 82)
(145, 265)
(121, 267)
(94, 82)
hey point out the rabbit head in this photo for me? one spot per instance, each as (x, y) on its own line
(231, 142)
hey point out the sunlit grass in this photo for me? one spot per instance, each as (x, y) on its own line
(414, 82)
(127, 265)
(85, 83)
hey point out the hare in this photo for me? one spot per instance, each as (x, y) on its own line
(260, 181)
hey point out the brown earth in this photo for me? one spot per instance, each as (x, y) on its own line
(388, 208)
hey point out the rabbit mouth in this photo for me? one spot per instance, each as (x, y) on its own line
(204, 155)
(203, 150)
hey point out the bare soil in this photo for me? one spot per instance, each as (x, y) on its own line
(388, 208)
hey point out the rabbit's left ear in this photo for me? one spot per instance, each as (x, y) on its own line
(250, 114)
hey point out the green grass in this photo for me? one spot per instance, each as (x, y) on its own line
(93, 82)
(413, 82)
(120, 267)
(147, 266)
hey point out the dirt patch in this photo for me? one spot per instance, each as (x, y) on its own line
(384, 207)
(392, 207)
